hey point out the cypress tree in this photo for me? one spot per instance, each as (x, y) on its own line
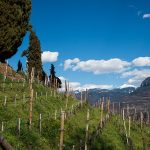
(20, 69)
(33, 54)
(43, 75)
(14, 22)
(53, 78)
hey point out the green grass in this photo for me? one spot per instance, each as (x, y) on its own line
(112, 136)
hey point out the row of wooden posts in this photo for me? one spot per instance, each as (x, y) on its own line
(121, 112)
(98, 104)
(63, 117)
(101, 121)
(87, 125)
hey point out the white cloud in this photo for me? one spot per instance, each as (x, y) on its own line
(136, 76)
(78, 86)
(127, 85)
(48, 56)
(62, 78)
(146, 16)
(69, 63)
(73, 85)
(97, 66)
(141, 61)
(114, 65)
(94, 86)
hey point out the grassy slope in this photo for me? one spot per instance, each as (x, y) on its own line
(11, 112)
(112, 137)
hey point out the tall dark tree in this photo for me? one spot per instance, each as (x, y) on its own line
(59, 83)
(52, 71)
(43, 75)
(19, 69)
(14, 22)
(53, 78)
(33, 54)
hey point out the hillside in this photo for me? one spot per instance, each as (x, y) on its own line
(15, 104)
(11, 74)
(45, 131)
(140, 97)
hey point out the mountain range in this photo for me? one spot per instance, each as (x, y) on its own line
(139, 97)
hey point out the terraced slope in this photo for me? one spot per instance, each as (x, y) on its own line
(14, 104)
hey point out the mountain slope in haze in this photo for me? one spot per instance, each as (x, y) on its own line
(114, 94)
(141, 96)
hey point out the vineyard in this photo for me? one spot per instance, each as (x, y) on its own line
(55, 125)
(81, 78)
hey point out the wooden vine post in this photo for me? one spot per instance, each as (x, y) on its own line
(5, 101)
(66, 88)
(6, 69)
(67, 94)
(102, 107)
(108, 105)
(124, 123)
(2, 127)
(123, 114)
(40, 123)
(141, 119)
(68, 85)
(86, 95)
(119, 108)
(128, 110)
(87, 130)
(113, 108)
(100, 103)
(81, 99)
(31, 98)
(62, 131)
(129, 125)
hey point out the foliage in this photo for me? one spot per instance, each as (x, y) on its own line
(53, 78)
(14, 19)
(33, 54)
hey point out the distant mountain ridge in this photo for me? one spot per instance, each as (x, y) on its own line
(139, 97)
(114, 94)
(146, 82)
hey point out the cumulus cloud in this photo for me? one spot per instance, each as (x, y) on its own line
(146, 16)
(127, 85)
(73, 85)
(136, 76)
(78, 86)
(115, 65)
(70, 63)
(94, 86)
(97, 66)
(62, 78)
(141, 61)
(48, 56)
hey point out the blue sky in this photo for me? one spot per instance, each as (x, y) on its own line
(115, 31)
